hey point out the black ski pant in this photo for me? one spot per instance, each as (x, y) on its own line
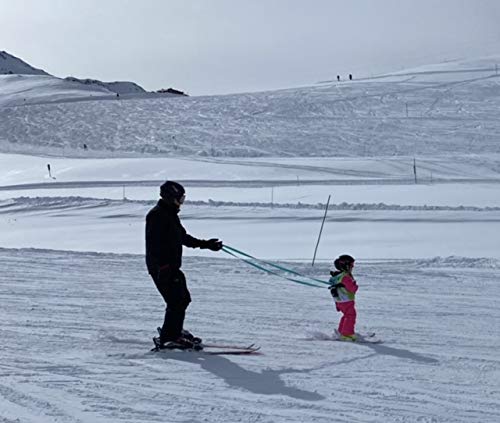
(173, 288)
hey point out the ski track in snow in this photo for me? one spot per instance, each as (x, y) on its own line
(366, 118)
(76, 330)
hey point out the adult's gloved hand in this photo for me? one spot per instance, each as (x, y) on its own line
(213, 244)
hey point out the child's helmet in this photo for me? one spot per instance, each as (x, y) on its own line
(343, 262)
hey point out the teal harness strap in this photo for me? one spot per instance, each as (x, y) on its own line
(277, 266)
(250, 260)
(270, 271)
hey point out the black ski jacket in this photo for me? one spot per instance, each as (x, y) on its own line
(165, 237)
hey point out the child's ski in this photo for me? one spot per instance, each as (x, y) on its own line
(361, 338)
(367, 338)
(364, 338)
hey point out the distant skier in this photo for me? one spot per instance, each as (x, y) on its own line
(343, 288)
(338, 78)
(350, 77)
(165, 237)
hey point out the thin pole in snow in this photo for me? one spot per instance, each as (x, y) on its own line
(321, 230)
(406, 105)
(415, 169)
(50, 172)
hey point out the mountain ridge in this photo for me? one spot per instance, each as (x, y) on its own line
(12, 65)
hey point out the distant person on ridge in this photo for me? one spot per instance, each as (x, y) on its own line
(165, 237)
(343, 288)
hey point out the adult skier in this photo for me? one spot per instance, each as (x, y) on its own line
(165, 237)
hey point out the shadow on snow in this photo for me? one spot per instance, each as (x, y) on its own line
(268, 382)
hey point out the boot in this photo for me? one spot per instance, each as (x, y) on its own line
(348, 338)
(189, 336)
(177, 344)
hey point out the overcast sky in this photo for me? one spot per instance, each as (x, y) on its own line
(223, 46)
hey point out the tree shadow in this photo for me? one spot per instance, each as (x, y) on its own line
(268, 382)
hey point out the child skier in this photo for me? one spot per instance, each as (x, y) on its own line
(343, 288)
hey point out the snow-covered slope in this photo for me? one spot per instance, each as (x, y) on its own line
(422, 113)
(119, 87)
(22, 84)
(10, 64)
(23, 90)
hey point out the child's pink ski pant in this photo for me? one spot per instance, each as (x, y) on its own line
(348, 320)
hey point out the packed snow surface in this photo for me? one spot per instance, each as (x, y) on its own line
(77, 330)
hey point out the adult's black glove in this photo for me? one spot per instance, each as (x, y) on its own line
(213, 244)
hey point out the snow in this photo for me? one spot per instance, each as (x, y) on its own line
(79, 309)
(119, 87)
(21, 85)
(78, 345)
(447, 112)
(22, 90)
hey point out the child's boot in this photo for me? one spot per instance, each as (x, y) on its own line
(348, 338)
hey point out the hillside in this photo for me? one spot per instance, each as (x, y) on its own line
(24, 90)
(416, 113)
(21, 84)
(118, 87)
(13, 65)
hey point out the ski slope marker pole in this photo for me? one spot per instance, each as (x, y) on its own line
(321, 230)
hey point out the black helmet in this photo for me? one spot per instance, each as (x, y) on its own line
(171, 191)
(343, 262)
